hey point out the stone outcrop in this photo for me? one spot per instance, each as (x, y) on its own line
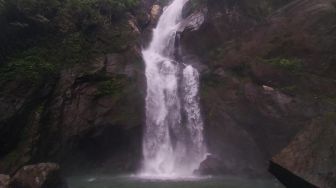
(253, 104)
(155, 13)
(4, 181)
(311, 155)
(92, 110)
(43, 175)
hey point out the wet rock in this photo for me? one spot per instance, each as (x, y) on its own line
(194, 21)
(4, 181)
(268, 88)
(196, 63)
(253, 108)
(113, 62)
(211, 165)
(43, 175)
(95, 112)
(155, 12)
(311, 155)
(98, 101)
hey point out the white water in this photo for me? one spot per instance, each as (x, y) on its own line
(173, 143)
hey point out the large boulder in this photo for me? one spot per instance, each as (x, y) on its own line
(43, 175)
(4, 181)
(310, 157)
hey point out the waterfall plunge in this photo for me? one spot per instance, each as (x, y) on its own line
(173, 143)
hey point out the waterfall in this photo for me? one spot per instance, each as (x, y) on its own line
(173, 143)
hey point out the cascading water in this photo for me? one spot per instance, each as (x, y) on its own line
(173, 143)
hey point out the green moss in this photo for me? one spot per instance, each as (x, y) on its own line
(292, 65)
(330, 117)
(40, 108)
(195, 4)
(330, 100)
(113, 86)
(119, 38)
(288, 89)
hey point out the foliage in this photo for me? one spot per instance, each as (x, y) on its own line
(292, 65)
(331, 100)
(197, 3)
(30, 67)
(289, 89)
(41, 36)
(34, 64)
(73, 49)
(111, 86)
(25, 22)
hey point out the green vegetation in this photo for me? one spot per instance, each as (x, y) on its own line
(330, 100)
(30, 67)
(112, 86)
(197, 3)
(39, 37)
(292, 65)
(289, 89)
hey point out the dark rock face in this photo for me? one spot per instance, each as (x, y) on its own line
(288, 178)
(43, 175)
(212, 165)
(21, 112)
(311, 155)
(252, 105)
(89, 117)
(95, 113)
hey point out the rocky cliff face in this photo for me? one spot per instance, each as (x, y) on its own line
(268, 73)
(311, 154)
(266, 76)
(87, 115)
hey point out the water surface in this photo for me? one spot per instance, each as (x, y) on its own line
(136, 182)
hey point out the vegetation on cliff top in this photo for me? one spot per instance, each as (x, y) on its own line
(40, 36)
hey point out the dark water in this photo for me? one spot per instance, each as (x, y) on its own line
(134, 182)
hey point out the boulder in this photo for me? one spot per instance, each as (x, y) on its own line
(310, 157)
(155, 13)
(4, 181)
(43, 175)
(210, 166)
